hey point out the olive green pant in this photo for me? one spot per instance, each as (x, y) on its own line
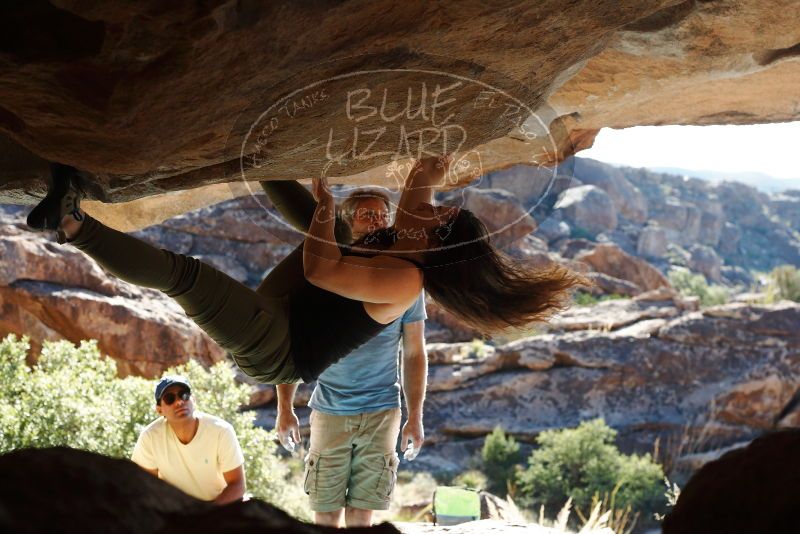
(253, 326)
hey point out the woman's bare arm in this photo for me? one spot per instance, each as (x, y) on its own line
(424, 178)
(380, 279)
(320, 248)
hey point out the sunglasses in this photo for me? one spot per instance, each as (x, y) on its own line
(169, 398)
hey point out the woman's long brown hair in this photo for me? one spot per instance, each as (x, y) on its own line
(485, 288)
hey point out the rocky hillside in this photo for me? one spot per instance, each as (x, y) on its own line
(717, 229)
(657, 367)
(680, 382)
(723, 231)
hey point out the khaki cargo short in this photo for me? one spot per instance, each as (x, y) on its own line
(352, 460)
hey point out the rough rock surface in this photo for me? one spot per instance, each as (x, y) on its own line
(698, 380)
(731, 218)
(652, 242)
(603, 284)
(705, 260)
(628, 200)
(505, 217)
(56, 489)
(551, 230)
(751, 489)
(588, 209)
(148, 99)
(609, 259)
(50, 292)
(787, 206)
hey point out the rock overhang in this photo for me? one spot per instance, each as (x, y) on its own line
(148, 100)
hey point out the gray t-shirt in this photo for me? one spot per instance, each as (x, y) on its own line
(367, 379)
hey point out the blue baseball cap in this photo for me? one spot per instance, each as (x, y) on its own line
(170, 380)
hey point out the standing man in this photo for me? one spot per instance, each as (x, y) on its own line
(351, 465)
(195, 452)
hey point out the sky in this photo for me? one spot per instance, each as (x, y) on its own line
(772, 149)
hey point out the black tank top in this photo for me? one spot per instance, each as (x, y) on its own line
(326, 327)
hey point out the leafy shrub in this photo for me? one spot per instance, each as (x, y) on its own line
(72, 397)
(692, 284)
(577, 232)
(411, 490)
(583, 463)
(472, 479)
(582, 298)
(477, 348)
(500, 457)
(784, 283)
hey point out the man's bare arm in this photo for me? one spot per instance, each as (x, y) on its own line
(415, 381)
(286, 423)
(153, 472)
(234, 491)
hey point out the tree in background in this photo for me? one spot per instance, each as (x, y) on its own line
(501, 456)
(784, 283)
(583, 464)
(695, 285)
(472, 479)
(73, 397)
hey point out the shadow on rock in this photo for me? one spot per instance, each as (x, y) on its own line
(755, 489)
(62, 490)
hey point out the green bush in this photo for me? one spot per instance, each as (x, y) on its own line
(582, 298)
(500, 457)
(472, 479)
(72, 397)
(477, 349)
(784, 283)
(695, 285)
(582, 463)
(577, 232)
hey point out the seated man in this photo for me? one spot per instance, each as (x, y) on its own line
(195, 452)
(351, 466)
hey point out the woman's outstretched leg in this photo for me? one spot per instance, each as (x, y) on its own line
(252, 327)
(296, 204)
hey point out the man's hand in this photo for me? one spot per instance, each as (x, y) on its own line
(287, 425)
(414, 432)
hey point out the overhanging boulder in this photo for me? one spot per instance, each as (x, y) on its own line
(148, 99)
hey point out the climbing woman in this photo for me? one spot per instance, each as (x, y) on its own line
(321, 302)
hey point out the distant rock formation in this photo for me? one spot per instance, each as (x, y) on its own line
(589, 209)
(709, 228)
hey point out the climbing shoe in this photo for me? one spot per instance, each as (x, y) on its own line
(63, 198)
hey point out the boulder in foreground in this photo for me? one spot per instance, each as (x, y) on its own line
(61, 489)
(754, 489)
